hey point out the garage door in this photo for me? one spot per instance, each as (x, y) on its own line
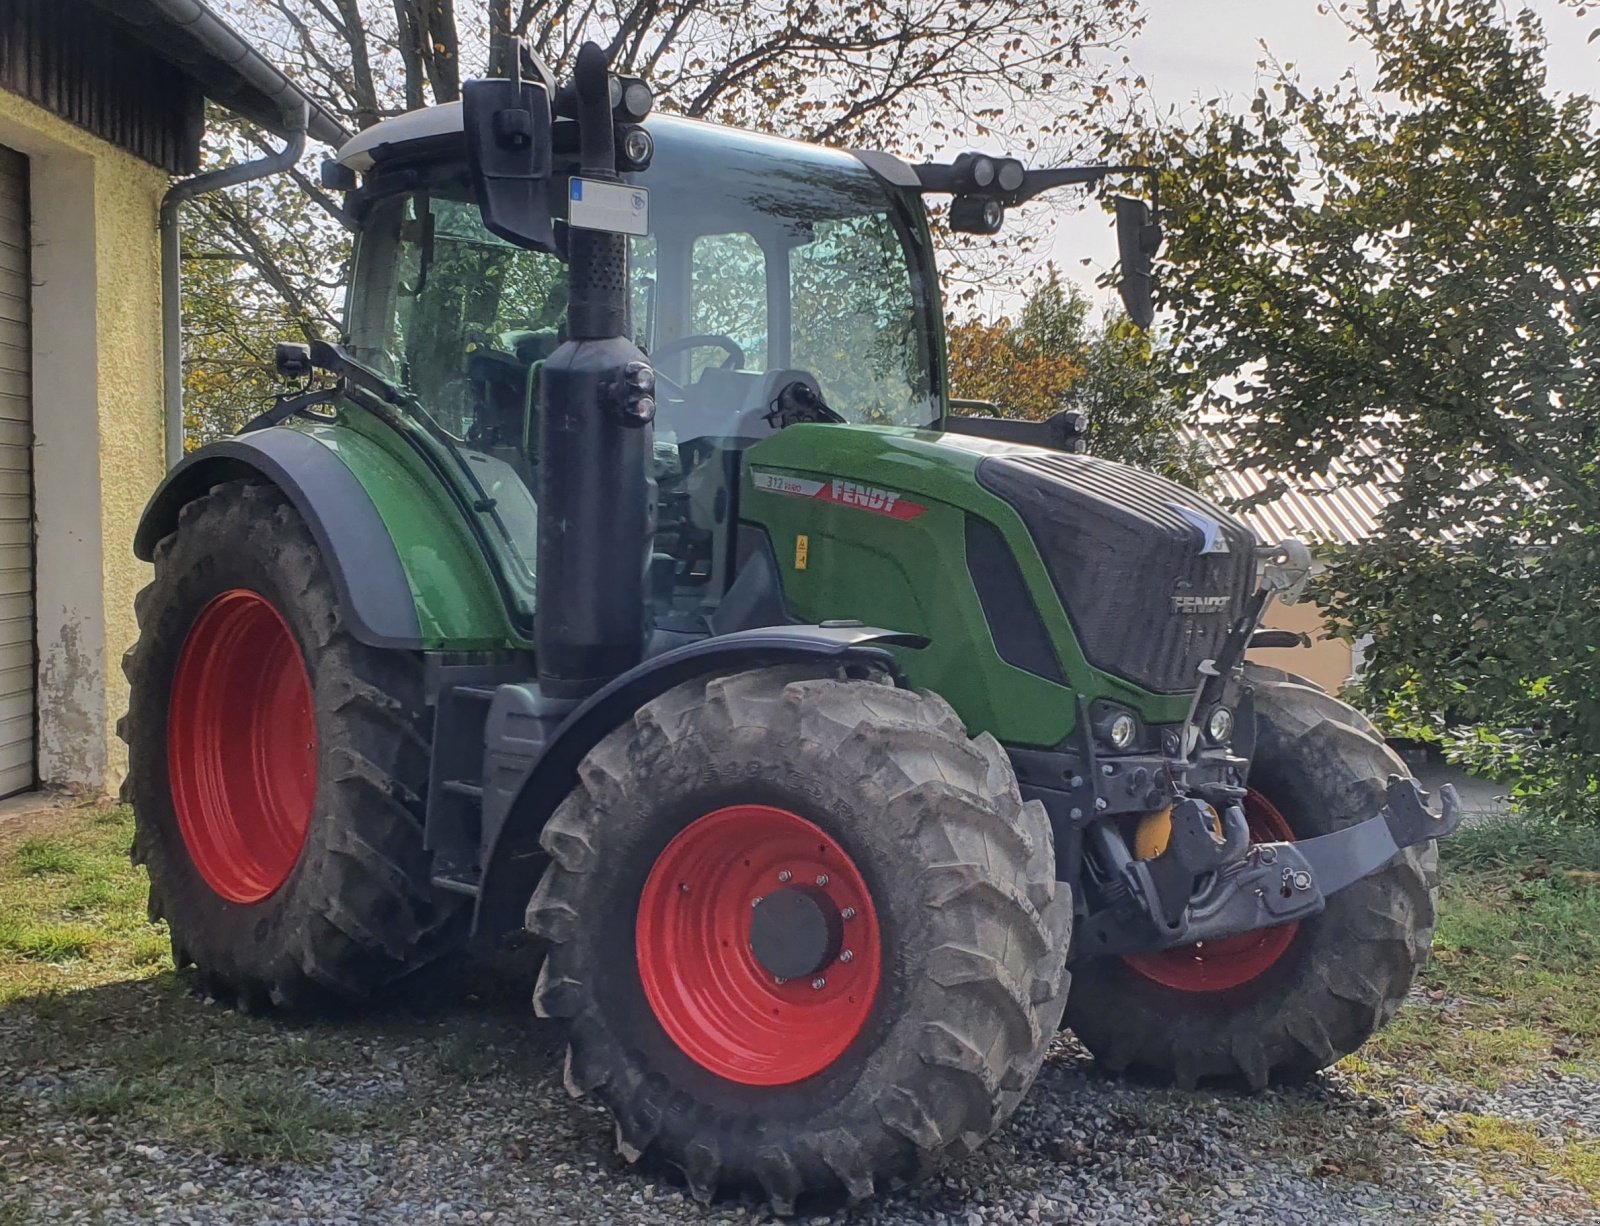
(16, 483)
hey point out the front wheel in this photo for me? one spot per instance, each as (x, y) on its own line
(1280, 1003)
(805, 932)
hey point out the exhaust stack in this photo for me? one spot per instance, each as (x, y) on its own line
(596, 489)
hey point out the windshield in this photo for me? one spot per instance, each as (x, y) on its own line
(763, 265)
(760, 268)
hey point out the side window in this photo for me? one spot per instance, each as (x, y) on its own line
(472, 311)
(855, 318)
(728, 298)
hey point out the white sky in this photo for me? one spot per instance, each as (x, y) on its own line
(1199, 49)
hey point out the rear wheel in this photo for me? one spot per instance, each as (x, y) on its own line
(1280, 1003)
(805, 932)
(276, 766)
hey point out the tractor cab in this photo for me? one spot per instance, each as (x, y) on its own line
(763, 264)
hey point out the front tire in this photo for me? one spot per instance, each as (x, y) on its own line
(855, 1074)
(276, 767)
(1282, 1003)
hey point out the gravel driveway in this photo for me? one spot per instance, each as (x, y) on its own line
(127, 1096)
(462, 1118)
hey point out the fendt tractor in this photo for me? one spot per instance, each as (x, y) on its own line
(623, 575)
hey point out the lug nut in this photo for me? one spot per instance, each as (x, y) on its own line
(756, 901)
(1100, 804)
(822, 878)
(785, 875)
(848, 913)
(779, 980)
(819, 983)
(847, 955)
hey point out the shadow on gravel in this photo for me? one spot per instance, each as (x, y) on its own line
(146, 1100)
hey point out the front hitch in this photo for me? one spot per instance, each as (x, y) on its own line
(1273, 883)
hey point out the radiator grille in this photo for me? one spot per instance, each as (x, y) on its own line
(1124, 552)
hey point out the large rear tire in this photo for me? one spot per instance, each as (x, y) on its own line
(850, 1075)
(1262, 1008)
(276, 767)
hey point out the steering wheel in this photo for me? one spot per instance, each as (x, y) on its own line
(683, 344)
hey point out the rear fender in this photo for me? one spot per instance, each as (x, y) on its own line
(375, 596)
(514, 862)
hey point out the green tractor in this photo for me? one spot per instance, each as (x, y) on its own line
(624, 575)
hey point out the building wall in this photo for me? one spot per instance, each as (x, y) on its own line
(98, 448)
(1328, 662)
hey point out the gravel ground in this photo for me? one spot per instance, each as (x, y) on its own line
(462, 1118)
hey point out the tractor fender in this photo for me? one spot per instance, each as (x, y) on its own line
(375, 597)
(514, 862)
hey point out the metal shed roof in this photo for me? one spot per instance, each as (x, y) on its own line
(1335, 508)
(193, 39)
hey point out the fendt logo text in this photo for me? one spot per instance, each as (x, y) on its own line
(839, 491)
(1199, 604)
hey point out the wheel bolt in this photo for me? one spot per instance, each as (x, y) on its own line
(822, 878)
(779, 980)
(755, 902)
(784, 875)
(847, 955)
(848, 913)
(819, 983)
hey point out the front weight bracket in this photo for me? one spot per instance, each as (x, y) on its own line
(1280, 883)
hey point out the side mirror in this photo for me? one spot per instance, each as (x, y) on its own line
(292, 360)
(1138, 240)
(508, 131)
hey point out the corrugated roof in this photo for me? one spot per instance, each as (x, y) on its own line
(1335, 508)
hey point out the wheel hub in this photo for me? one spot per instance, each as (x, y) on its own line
(758, 946)
(242, 746)
(796, 932)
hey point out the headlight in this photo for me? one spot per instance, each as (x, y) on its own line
(1219, 725)
(1120, 731)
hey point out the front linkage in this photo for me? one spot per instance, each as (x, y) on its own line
(1208, 881)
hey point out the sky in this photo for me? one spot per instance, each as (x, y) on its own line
(1199, 49)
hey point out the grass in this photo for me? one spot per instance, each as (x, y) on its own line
(1516, 965)
(72, 909)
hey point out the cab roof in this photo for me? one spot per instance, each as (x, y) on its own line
(683, 140)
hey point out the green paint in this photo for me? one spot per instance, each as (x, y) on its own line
(910, 574)
(907, 574)
(459, 605)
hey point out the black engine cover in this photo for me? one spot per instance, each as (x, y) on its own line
(1151, 574)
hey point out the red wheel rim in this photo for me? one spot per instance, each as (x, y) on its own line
(242, 746)
(1220, 966)
(722, 1008)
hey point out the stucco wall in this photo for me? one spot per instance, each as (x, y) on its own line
(97, 425)
(1328, 662)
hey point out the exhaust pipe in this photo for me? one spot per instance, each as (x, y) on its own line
(596, 488)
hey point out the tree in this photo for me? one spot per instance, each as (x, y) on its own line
(910, 72)
(1056, 356)
(1419, 264)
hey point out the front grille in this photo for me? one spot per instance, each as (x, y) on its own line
(1126, 561)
